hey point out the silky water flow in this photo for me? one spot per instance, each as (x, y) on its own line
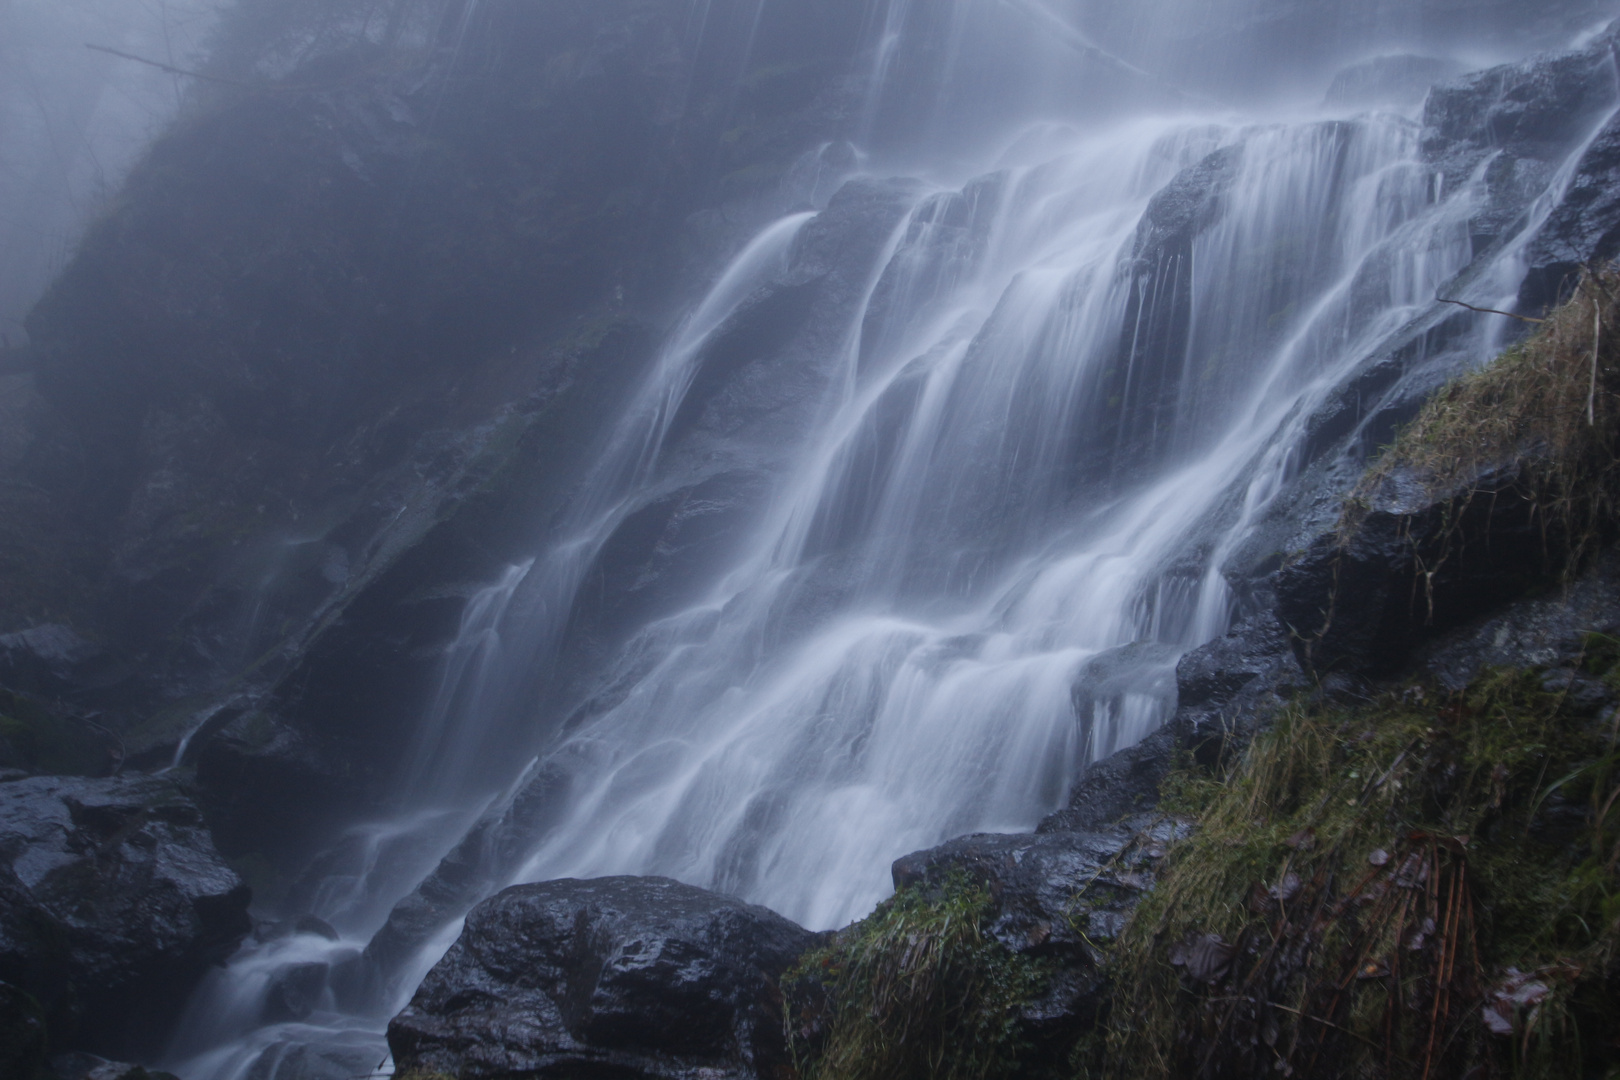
(978, 563)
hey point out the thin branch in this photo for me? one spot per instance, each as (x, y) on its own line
(1491, 311)
(240, 84)
(1597, 347)
(172, 70)
(1328, 1023)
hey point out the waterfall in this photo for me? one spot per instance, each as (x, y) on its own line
(891, 658)
(1049, 407)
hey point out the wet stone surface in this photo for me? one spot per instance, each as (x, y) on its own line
(623, 977)
(113, 903)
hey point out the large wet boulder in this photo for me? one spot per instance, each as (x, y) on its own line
(639, 978)
(113, 904)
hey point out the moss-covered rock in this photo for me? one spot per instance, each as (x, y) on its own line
(1424, 885)
(919, 990)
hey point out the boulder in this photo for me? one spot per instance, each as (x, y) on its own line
(639, 978)
(113, 904)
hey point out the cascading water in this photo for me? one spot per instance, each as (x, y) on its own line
(1038, 426)
(962, 580)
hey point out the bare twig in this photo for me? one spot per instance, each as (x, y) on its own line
(1491, 311)
(1328, 1023)
(1597, 345)
(172, 70)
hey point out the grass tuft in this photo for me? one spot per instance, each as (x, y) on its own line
(1542, 421)
(1427, 886)
(917, 991)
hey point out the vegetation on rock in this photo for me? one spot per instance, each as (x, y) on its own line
(1425, 885)
(1544, 418)
(917, 991)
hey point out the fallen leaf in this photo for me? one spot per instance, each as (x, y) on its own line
(1498, 1017)
(1286, 889)
(1207, 958)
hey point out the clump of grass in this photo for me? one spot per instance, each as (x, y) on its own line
(1426, 887)
(1543, 419)
(917, 991)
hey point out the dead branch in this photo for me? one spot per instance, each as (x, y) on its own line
(1490, 311)
(172, 70)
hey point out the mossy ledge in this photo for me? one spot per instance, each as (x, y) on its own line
(1540, 423)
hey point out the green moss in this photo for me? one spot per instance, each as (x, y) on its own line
(1364, 884)
(1543, 417)
(917, 990)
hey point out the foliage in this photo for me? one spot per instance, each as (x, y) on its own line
(917, 991)
(1424, 886)
(1543, 419)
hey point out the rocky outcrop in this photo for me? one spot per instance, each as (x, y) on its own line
(1583, 229)
(1417, 563)
(1518, 123)
(113, 903)
(640, 978)
(1224, 691)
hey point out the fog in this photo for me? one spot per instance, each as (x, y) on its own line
(74, 119)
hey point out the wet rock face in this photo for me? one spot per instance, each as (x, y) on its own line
(1516, 122)
(1584, 228)
(1224, 691)
(323, 330)
(113, 903)
(1359, 603)
(624, 977)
